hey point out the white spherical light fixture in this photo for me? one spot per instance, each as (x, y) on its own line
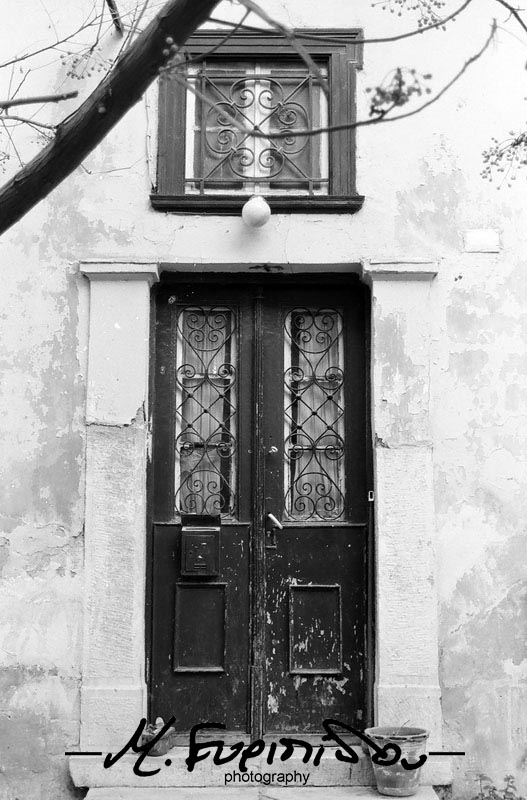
(256, 211)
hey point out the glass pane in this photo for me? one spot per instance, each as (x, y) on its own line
(206, 380)
(223, 99)
(314, 414)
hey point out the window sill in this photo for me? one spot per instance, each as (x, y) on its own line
(280, 204)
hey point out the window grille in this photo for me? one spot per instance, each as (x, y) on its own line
(226, 102)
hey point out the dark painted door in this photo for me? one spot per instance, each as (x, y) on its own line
(259, 611)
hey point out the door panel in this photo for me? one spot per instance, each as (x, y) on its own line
(261, 417)
(201, 633)
(315, 612)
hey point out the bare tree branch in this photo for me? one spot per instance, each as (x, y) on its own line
(378, 40)
(257, 134)
(32, 122)
(139, 60)
(116, 17)
(52, 46)
(44, 98)
(290, 36)
(236, 27)
(515, 13)
(133, 28)
(439, 24)
(13, 145)
(445, 88)
(118, 92)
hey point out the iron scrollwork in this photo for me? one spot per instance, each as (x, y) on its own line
(206, 378)
(266, 105)
(314, 415)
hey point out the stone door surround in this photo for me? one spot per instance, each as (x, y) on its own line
(113, 691)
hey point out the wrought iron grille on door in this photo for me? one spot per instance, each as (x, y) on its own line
(314, 438)
(206, 412)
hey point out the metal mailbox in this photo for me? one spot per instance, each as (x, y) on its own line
(200, 545)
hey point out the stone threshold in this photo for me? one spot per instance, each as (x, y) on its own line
(172, 773)
(244, 793)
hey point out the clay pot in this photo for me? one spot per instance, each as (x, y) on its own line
(394, 780)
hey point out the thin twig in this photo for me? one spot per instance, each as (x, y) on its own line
(514, 36)
(68, 38)
(32, 122)
(50, 18)
(22, 81)
(6, 128)
(133, 28)
(108, 171)
(44, 98)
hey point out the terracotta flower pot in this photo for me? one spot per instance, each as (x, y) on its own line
(163, 745)
(395, 780)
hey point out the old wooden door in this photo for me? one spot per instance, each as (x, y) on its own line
(260, 421)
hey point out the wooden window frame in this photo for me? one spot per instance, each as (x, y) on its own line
(342, 50)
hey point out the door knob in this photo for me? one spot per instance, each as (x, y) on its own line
(273, 450)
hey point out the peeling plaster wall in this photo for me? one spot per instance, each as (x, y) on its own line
(481, 509)
(423, 197)
(41, 519)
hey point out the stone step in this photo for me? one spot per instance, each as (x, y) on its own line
(171, 772)
(245, 793)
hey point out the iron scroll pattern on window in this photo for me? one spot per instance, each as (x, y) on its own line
(314, 415)
(209, 162)
(206, 389)
(256, 97)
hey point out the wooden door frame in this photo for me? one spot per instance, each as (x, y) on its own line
(257, 682)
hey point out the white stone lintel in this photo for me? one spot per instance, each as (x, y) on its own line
(399, 270)
(120, 270)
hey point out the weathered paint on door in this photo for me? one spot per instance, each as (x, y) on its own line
(260, 421)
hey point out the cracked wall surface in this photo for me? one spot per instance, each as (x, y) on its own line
(41, 523)
(425, 199)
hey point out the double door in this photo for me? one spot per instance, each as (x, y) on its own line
(261, 521)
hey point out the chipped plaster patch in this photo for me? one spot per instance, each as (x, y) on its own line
(481, 240)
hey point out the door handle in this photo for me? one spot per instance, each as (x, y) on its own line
(274, 522)
(271, 526)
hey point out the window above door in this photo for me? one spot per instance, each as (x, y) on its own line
(276, 99)
(208, 161)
